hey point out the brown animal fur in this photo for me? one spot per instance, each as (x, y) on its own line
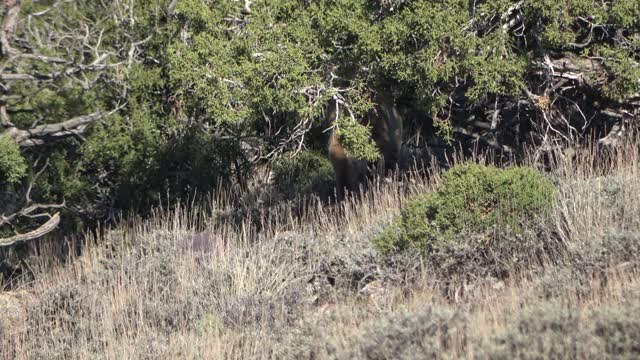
(386, 132)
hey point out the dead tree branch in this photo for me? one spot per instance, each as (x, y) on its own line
(52, 50)
(30, 210)
(41, 134)
(44, 229)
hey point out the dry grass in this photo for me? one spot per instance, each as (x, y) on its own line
(185, 284)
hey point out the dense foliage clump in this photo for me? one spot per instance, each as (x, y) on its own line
(474, 199)
(13, 166)
(357, 139)
(309, 172)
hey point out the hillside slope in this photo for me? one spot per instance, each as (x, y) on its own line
(185, 284)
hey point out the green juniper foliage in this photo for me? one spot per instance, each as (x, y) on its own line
(13, 166)
(471, 198)
(357, 139)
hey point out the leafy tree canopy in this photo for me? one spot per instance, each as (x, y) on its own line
(155, 97)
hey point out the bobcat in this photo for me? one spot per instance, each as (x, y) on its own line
(386, 124)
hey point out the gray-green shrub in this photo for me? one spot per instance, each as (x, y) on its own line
(555, 331)
(471, 198)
